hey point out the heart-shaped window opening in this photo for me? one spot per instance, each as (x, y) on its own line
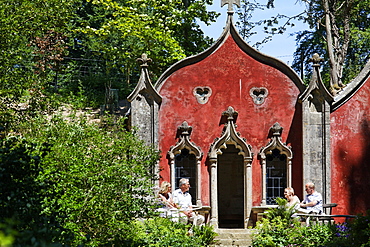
(202, 94)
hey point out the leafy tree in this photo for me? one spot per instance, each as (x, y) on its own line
(32, 37)
(75, 50)
(271, 26)
(339, 31)
(120, 31)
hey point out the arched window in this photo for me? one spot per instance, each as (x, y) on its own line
(186, 167)
(276, 162)
(185, 159)
(276, 175)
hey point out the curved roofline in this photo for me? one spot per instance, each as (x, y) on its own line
(231, 30)
(351, 89)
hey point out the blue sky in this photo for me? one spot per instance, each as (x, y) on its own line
(281, 46)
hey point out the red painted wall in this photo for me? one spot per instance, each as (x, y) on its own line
(230, 73)
(350, 141)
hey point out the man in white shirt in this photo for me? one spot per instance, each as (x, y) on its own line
(182, 198)
(312, 202)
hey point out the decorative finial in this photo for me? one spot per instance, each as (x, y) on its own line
(230, 2)
(316, 59)
(230, 113)
(144, 60)
(276, 129)
(185, 129)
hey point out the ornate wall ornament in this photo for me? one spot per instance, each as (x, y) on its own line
(258, 94)
(144, 60)
(202, 94)
(230, 4)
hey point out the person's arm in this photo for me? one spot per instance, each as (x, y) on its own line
(309, 204)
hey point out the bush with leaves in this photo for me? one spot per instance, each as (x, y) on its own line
(355, 232)
(163, 232)
(22, 193)
(282, 232)
(283, 210)
(279, 229)
(102, 175)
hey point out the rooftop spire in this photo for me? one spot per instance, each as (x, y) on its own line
(230, 3)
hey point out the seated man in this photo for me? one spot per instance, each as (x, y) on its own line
(312, 202)
(182, 198)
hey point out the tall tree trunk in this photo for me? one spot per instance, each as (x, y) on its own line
(337, 46)
(331, 47)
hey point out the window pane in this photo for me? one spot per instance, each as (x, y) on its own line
(185, 167)
(276, 178)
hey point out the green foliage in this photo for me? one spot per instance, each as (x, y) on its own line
(120, 31)
(349, 22)
(163, 232)
(278, 230)
(102, 175)
(314, 40)
(33, 38)
(356, 232)
(21, 196)
(283, 211)
(281, 232)
(205, 234)
(72, 51)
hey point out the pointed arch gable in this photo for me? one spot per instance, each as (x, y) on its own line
(185, 142)
(276, 143)
(231, 137)
(231, 30)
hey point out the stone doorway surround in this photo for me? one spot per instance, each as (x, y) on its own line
(230, 136)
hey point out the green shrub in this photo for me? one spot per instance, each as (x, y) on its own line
(279, 229)
(159, 232)
(22, 193)
(101, 176)
(283, 210)
(359, 230)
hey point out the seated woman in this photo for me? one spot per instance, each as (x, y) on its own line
(293, 200)
(169, 208)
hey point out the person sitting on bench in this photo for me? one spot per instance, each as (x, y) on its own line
(292, 199)
(312, 202)
(182, 198)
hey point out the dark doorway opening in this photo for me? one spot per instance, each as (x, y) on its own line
(230, 187)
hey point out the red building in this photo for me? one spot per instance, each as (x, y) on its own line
(242, 126)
